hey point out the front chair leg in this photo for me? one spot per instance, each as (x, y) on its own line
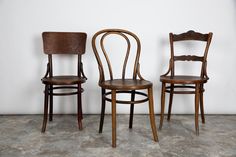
(45, 116)
(170, 101)
(79, 108)
(201, 104)
(113, 97)
(197, 108)
(131, 110)
(151, 114)
(51, 103)
(102, 110)
(162, 104)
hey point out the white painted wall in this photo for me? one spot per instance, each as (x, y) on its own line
(22, 62)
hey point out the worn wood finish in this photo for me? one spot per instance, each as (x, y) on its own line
(131, 110)
(201, 105)
(170, 101)
(103, 106)
(51, 103)
(163, 88)
(45, 115)
(70, 43)
(64, 42)
(197, 92)
(151, 114)
(121, 85)
(180, 82)
(113, 112)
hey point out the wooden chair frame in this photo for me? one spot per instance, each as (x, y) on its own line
(122, 85)
(185, 81)
(56, 43)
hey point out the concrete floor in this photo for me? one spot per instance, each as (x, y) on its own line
(20, 136)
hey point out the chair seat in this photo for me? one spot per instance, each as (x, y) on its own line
(183, 79)
(126, 84)
(63, 80)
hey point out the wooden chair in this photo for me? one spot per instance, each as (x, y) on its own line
(194, 84)
(123, 84)
(58, 43)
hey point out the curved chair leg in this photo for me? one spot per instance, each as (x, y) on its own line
(170, 101)
(113, 97)
(201, 104)
(163, 90)
(131, 110)
(51, 103)
(197, 93)
(102, 111)
(152, 115)
(79, 108)
(45, 116)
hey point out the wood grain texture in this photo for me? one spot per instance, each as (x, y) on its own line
(121, 85)
(70, 43)
(179, 83)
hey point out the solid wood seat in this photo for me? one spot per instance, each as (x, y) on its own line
(63, 80)
(183, 79)
(123, 85)
(63, 43)
(126, 84)
(185, 84)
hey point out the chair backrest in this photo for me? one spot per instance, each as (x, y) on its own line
(64, 43)
(100, 48)
(188, 36)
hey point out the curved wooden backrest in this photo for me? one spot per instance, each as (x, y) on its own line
(126, 35)
(190, 35)
(64, 42)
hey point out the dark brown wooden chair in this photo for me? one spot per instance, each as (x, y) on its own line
(58, 43)
(122, 84)
(177, 84)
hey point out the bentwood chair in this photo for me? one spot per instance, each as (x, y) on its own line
(63, 43)
(186, 84)
(112, 86)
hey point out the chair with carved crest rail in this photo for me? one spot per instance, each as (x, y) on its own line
(183, 82)
(63, 43)
(122, 85)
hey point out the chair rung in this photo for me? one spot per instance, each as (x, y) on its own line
(128, 102)
(65, 93)
(182, 92)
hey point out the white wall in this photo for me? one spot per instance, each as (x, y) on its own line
(22, 62)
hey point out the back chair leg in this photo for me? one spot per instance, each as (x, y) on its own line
(162, 104)
(197, 93)
(170, 101)
(51, 103)
(79, 108)
(102, 110)
(131, 110)
(113, 97)
(45, 117)
(152, 115)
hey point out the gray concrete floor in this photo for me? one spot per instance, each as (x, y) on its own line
(20, 136)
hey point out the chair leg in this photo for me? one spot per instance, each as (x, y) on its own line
(151, 114)
(131, 110)
(162, 104)
(51, 103)
(201, 105)
(170, 101)
(113, 97)
(79, 108)
(45, 116)
(197, 93)
(102, 110)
